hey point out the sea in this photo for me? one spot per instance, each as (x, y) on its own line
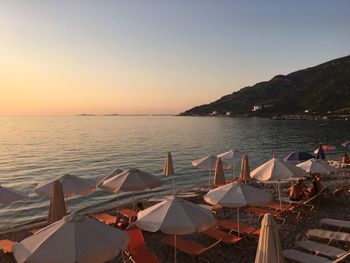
(38, 149)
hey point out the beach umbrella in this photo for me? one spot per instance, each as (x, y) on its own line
(276, 170)
(298, 156)
(107, 176)
(208, 163)
(346, 144)
(75, 238)
(269, 246)
(320, 153)
(244, 175)
(72, 185)
(175, 216)
(233, 155)
(219, 177)
(57, 208)
(9, 195)
(131, 180)
(237, 195)
(317, 166)
(169, 169)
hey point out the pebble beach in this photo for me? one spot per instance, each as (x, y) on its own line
(290, 232)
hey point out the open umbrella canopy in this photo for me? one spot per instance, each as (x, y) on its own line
(236, 195)
(57, 209)
(75, 238)
(276, 170)
(71, 184)
(175, 216)
(346, 144)
(298, 156)
(244, 174)
(131, 180)
(209, 163)
(9, 195)
(232, 154)
(107, 176)
(317, 166)
(269, 246)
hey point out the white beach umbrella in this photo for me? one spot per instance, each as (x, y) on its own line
(232, 155)
(209, 163)
(75, 238)
(317, 166)
(175, 216)
(237, 195)
(107, 176)
(71, 184)
(9, 195)
(269, 247)
(277, 170)
(131, 180)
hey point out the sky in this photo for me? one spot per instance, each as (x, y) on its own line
(156, 56)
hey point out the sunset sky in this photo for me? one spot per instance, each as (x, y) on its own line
(128, 57)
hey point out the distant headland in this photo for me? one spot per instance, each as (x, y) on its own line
(321, 91)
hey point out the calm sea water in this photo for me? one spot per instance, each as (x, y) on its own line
(36, 149)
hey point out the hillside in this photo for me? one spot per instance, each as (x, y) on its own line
(319, 89)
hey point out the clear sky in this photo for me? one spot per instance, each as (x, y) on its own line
(149, 56)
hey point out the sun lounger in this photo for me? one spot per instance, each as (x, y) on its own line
(303, 257)
(105, 218)
(188, 247)
(6, 245)
(244, 229)
(221, 235)
(138, 251)
(341, 190)
(330, 235)
(127, 213)
(321, 249)
(278, 214)
(302, 203)
(335, 222)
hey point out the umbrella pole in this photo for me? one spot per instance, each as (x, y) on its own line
(117, 202)
(233, 170)
(133, 201)
(175, 246)
(238, 220)
(279, 194)
(174, 187)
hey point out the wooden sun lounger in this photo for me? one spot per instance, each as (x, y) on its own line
(105, 218)
(330, 235)
(188, 247)
(244, 229)
(335, 222)
(6, 245)
(321, 249)
(221, 235)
